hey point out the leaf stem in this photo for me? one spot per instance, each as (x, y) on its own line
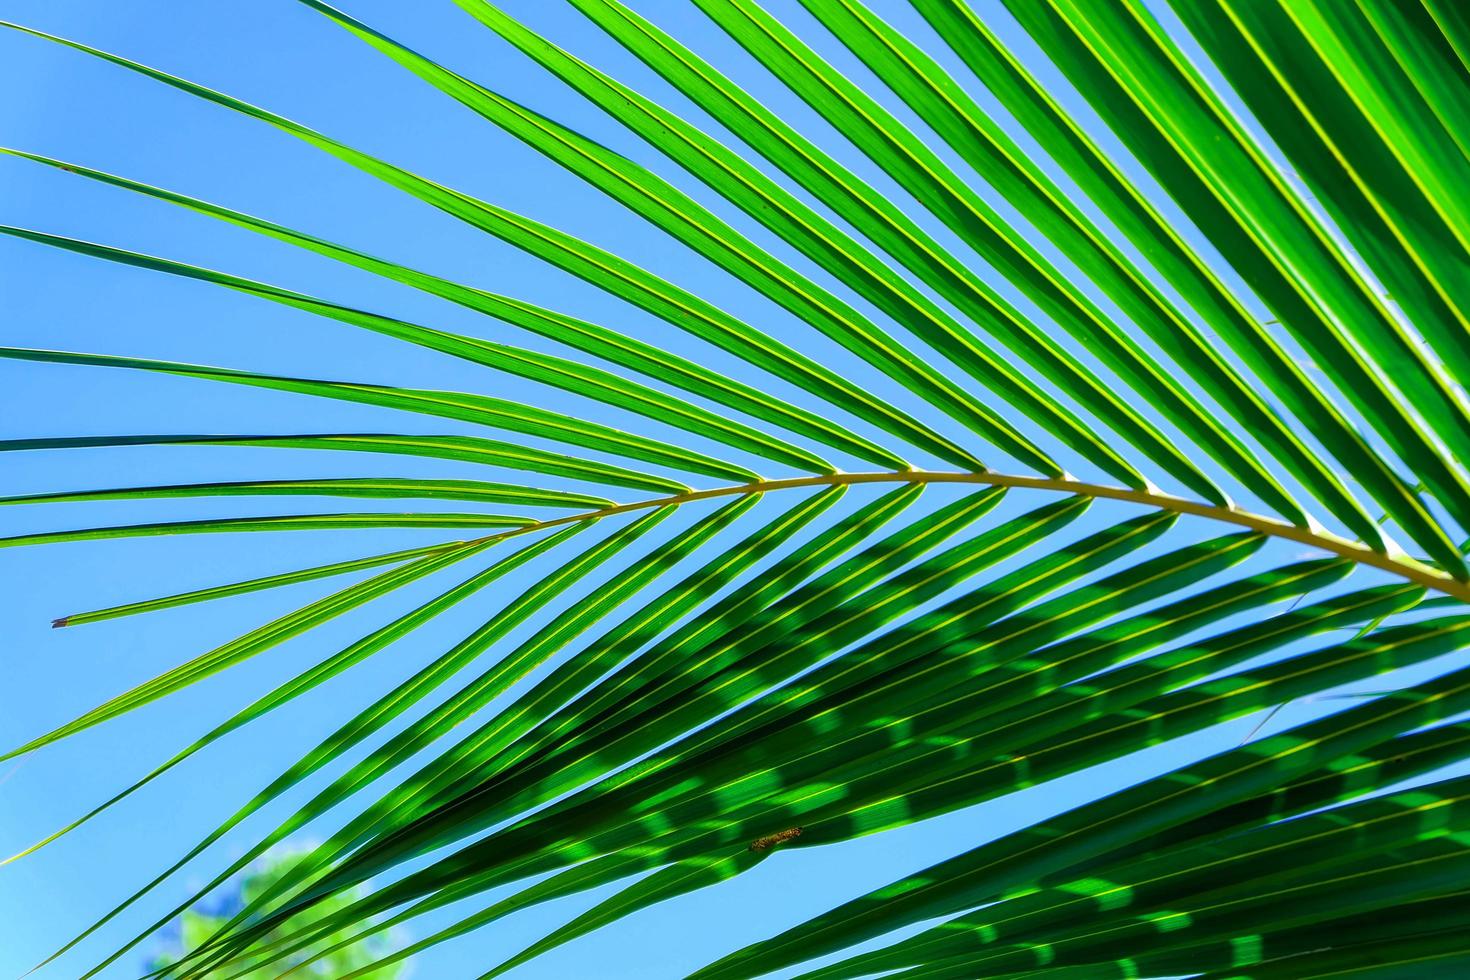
(1401, 565)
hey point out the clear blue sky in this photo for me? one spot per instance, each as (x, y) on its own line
(283, 56)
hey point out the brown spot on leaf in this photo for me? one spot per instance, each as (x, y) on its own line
(771, 840)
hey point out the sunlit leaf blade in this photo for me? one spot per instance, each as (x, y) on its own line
(597, 266)
(1260, 226)
(1301, 74)
(662, 885)
(288, 522)
(247, 586)
(1158, 804)
(1218, 245)
(1193, 884)
(481, 690)
(258, 639)
(384, 487)
(382, 711)
(979, 140)
(689, 222)
(764, 200)
(619, 349)
(580, 379)
(480, 409)
(465, 449)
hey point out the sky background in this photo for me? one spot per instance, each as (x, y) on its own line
(285, 57)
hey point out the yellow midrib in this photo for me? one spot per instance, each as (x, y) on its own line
(1401, 566)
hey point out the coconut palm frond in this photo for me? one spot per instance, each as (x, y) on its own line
(1056, 357)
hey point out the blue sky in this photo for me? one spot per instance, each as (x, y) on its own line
(283, 56)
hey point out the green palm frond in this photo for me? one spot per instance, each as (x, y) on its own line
(1073, 347)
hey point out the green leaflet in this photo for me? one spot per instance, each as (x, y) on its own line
(1374, 192)
(480, 409)
(703, 631)
(564, 682)
(664, 884)
(383, 487)
(710, 679)
(1154, 235)
(764, 200)
(257, 640)
(1263, 231)
(1427, 57)
(388, 707)
(579, 379)
(985, 146)
(1132, 813)
(292, 522)
(466, 449)
(1194, 881)
(249, 585)
(625, 351)
(680, 216)
(602, 268)
(877, 133)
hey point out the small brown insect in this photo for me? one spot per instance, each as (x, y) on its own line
(771, 840)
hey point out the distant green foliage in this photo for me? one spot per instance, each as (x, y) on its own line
(196, 925)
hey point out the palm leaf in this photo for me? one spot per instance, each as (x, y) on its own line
(1174, 292)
